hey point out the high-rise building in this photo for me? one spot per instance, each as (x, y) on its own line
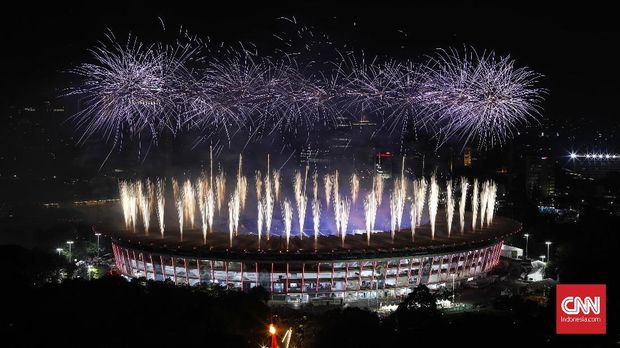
(540, 179)
(467, 157)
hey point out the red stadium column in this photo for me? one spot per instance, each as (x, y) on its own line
(198, 272)
(409, 272)
(241, 278)
(430, 271)
(420, 269)
(256, 272)
(303, 276)
(163, 266)
(485, 261)
(359, 279)
(466, 264)
(494, 257)
(129, 262)
(318, 271)
(471, 262)
(135, 260)
(499, 252)
(131, 271)
(271, 278)
(146, 274)
(493, 253)
(122, 260)
(115, 257)
(174, 270)
(186, 271)
(332, 281)
(385, 274)
(286, 287)
(449, 265)
(374, 268)
(440, 266)
(226, 270)
(487, 257)
(153, 266)
(212, 272)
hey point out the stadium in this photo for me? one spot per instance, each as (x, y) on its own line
(323, 271)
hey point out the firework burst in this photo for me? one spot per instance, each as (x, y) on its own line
(480, 98)
(141, 91)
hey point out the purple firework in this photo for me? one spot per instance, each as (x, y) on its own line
(480, 97)
(135, 89)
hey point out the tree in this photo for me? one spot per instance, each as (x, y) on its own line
(417, 314)
(420, 299)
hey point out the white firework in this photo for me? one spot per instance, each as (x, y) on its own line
(449, 205)
(433, 200)
(474, 205)
(161, 204)
(370, 214)
(462, 203)
(378, 188)
(345, 210)
(355, 187)
(327, 181)
(287, 217)
(316, 219)
(420, 188)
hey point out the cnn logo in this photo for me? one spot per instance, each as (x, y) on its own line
(580, 309)
(576, 305)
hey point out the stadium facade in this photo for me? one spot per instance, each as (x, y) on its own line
(303, 276)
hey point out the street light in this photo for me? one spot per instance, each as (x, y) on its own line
(98, 235)
(70, 243)
(59, 250)
(527, 239)
(548, 245)
(542, 257)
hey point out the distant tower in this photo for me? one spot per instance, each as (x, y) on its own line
(467, 157)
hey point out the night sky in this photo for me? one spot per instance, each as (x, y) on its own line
(572, 46)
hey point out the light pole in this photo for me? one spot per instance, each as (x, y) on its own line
(527, 239)
(548, 245)
(542, 257)
(70, 243)
(98, 235)
(59, 250)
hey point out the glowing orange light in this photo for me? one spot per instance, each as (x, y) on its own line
(272, 329)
